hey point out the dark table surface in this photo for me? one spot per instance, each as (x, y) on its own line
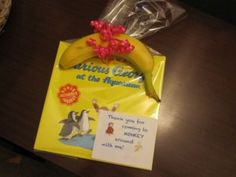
(196, 134)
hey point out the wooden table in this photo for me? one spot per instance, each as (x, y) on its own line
(197, 124)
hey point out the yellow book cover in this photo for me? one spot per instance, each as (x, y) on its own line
(75, 96)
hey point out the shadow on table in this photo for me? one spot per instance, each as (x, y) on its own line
(16, 162)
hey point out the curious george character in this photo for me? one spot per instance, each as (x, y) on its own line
(97, 107)
(110, 129)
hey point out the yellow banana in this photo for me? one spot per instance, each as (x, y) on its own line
(140, 57)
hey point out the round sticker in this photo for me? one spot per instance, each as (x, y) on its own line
(68, 94)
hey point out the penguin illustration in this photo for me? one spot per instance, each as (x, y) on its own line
(75, 125)
(83, 122)
(70, 125)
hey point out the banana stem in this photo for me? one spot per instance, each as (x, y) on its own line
(149, 86)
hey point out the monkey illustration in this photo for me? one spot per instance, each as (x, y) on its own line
(97, 107)
(110, 129)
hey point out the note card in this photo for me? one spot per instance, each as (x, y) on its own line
(125, 140)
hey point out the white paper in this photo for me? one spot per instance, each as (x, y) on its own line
(125, 140)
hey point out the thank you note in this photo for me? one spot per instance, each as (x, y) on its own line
(125, 140)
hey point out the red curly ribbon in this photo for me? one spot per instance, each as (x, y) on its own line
(107, 33)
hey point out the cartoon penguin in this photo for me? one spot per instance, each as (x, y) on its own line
(83, 122)
(70, 125)
(75, 125)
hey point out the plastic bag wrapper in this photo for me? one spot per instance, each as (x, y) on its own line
(142, 17)
(77, 95)
(92, 86)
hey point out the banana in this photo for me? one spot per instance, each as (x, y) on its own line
(140, 57)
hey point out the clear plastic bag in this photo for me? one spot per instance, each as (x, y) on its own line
(142, 17)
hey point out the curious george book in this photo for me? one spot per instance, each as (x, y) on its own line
(77, 96)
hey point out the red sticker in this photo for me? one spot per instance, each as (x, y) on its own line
(68, 94)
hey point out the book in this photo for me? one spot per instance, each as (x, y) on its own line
(77, 96)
